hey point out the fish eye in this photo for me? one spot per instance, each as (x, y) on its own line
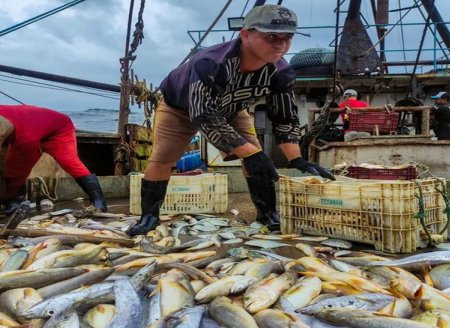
(329, 306)
(50, 312)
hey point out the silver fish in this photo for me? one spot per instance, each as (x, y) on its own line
(71, 284)
(441, 276)
(66, 319)
(265, 243)
(15, 260)
(128, 311)
(273, 255)
(356, 318)
(36, 278)
(187, 318)
(367, 301)
(338, 243)
(233, 241)
(60, 303)
(432, 258)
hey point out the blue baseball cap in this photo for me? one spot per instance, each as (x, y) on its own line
(441, 95)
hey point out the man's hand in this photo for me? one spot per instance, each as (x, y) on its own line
(308, 167)
(258, 165)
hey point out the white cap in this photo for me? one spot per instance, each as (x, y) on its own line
(350, 92)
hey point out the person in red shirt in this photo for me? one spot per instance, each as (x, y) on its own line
(350, 101)
(27, 132)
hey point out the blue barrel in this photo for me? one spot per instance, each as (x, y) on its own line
(190, 161)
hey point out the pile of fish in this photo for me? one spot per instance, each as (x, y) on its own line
(207, 271)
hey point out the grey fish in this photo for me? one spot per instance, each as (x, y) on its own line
(441, 276)
(313, 322)
(233, 241)
(273, 255)
(147, 245)
(179, 228)
(66, 319)
(36, 278)
(265, 243)
(338, 243)
(60, 212)
(186, 318)
(128, 311)
(15, 260)
(432, 258)
(60, 303)
(356, 318)
(367, 301)
(78, 281)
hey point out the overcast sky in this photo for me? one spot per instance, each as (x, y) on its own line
(87, 40)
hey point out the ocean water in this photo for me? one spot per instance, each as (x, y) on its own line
(102, 119)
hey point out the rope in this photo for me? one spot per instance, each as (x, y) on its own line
(318, 126)
(44, 188)
(446, 211)
(138, 34)
(421, 215)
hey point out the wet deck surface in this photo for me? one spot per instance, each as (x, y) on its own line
(236, 201)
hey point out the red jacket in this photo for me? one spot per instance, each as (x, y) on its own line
(352, 103)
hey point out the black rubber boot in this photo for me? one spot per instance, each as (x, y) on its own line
(91, 187)
(263, 196)
(11, 205)
(152, 197)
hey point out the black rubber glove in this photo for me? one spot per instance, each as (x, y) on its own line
(258, 165)
(308, 167)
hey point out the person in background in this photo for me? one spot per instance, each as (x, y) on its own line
(211, 93)
(441, 115)
(350, 101)
(27, 132)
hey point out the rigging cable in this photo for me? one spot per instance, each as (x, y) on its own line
(11, 97)
(242, 14)
(39, 17)
(413, 74)
(193, 50)
(385, 34)
(54, 87)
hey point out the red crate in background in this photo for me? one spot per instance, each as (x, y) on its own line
(407, 173)
(366, 121)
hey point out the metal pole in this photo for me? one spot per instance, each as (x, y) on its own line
(437, 19)
(59, 78)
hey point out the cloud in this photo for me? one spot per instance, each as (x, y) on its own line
(86, 41)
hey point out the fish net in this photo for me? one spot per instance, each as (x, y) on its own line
(312, 57)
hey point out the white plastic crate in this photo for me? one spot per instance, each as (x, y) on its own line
(203, 193)
(377, 212)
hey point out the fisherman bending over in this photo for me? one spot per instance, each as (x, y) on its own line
(211, 94)
(29, 131)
